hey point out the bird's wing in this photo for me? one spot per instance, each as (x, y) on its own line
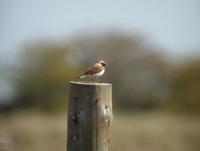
(95, 69)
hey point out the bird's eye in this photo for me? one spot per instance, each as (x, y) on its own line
(103, 64)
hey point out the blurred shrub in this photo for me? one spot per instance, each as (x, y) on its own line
(142, 78)
(43, 77)
(186, 86)
(139, 74)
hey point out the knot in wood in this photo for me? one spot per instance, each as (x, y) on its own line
(75, 118)
(76, 137)
(107, 114)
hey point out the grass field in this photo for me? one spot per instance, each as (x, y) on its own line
(130, 132)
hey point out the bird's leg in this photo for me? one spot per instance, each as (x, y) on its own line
(97, 79)
(93, 79)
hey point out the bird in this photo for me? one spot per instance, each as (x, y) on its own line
(97, 70)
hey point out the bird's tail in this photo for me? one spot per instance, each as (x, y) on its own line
(81, 77)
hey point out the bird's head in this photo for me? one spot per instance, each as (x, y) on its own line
(102, 62)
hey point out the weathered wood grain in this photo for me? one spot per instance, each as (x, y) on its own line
(89, 116)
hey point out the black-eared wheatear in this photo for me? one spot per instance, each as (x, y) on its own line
(96, 70)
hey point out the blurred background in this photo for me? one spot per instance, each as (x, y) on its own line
(153, 54)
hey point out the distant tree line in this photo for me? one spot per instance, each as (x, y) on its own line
(142, 77)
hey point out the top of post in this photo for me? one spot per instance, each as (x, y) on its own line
(89, 83)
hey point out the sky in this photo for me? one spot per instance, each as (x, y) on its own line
(172, 24)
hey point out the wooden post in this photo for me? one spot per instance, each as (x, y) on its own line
(89, 116)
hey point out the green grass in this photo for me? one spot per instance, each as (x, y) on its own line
(129, 132)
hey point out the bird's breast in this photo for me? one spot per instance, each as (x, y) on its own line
(99, 73)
